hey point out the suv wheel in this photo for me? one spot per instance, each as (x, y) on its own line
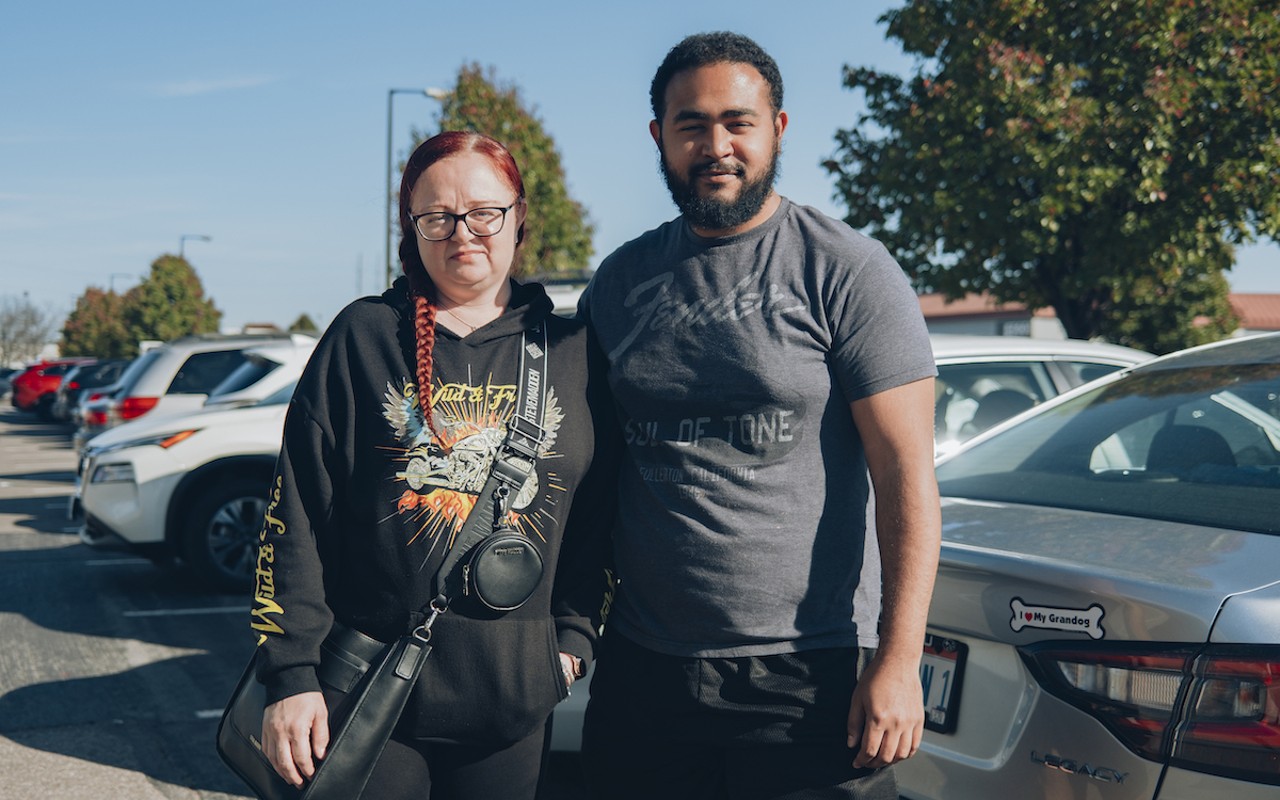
(220, 540)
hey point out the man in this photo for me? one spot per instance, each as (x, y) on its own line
(765, 360)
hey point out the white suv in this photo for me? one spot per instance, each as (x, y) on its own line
(175, 377)
(187, 486)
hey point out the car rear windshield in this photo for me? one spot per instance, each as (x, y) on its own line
(1199, 445)
(134, 372)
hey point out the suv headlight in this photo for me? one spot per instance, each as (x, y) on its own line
(112, 473)
(163, 441)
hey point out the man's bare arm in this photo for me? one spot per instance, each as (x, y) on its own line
(886, 716)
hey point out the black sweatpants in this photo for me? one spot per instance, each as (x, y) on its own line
(416, 770)
(746, 728)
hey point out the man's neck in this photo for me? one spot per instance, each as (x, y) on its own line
(759, 218)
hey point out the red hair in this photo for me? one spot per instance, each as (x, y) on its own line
(421, 290)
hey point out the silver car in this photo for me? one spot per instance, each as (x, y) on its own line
(1106, 620)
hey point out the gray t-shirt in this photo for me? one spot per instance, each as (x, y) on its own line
(744, 497)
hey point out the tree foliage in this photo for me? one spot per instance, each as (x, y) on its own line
(304, 324)
(96, 327)
(169, 303)
(1099, 157)
(25, 329)
(558, 234)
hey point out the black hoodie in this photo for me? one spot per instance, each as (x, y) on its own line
(359, 520)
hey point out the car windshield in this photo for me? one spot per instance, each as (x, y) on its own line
(1196, 442)
(280, 396)
(254, 369)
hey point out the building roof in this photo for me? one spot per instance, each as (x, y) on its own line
(1257, 312)
(983, 305)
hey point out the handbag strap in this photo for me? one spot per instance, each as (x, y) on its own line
(513, 463)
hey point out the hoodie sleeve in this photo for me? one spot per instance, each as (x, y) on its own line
(584, 575)
(289, 614)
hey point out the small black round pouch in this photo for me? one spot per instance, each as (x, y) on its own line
(503, 570)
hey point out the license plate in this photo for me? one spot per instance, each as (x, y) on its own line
(941, 671)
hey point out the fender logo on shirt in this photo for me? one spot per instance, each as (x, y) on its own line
(660, 311)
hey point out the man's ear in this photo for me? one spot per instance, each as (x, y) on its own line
(655, 130)
(780, 124)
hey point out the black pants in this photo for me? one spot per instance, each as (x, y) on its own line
(745, 728)
(415, 770)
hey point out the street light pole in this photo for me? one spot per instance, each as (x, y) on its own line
(111, 281)
(434, 94)
(182, 241)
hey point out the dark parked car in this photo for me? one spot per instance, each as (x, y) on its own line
(1106, 619)
(7, 374)
(81, 378)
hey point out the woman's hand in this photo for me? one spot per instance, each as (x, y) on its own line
(295, 734)
(571, 667)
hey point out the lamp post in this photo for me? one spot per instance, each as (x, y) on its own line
(111, 281)
(434, 94)
(182, 241)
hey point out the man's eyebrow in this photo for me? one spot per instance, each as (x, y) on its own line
(732, 113)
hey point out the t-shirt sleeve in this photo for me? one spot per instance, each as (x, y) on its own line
(878, 336)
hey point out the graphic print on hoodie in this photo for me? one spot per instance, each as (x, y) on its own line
(443, 478)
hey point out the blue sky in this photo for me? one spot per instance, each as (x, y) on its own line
(262, 125)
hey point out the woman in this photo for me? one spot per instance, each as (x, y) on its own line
(393, 428)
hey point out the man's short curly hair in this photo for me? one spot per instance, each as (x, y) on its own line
(718, 47)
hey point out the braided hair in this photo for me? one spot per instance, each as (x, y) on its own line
(421, 289)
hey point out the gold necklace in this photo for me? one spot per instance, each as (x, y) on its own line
(449, 311)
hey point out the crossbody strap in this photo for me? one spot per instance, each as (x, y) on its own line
(514, 462)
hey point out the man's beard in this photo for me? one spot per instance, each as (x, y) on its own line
(712, 213)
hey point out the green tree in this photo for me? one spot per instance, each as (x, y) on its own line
(304, 324)
(96, 327)
(558, 234)
(1099, 157)
(169, 303)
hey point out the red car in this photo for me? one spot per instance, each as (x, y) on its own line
(33, 389)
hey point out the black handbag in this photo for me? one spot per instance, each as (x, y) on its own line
(378, 678)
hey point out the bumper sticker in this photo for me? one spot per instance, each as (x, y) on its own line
(1076, 620)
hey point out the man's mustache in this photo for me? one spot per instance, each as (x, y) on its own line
(721, 167)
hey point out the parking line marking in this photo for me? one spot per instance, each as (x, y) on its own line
(209, 713)
(173, 612)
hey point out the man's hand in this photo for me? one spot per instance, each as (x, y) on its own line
(295, 734)
(886, 715)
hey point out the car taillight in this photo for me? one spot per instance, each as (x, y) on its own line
(94, 396)
(73, 385)
(1233, 715)
(131, 407)
(97, 418)
(1214, 710)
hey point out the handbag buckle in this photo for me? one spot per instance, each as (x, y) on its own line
(524, 436)
(423, 631)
